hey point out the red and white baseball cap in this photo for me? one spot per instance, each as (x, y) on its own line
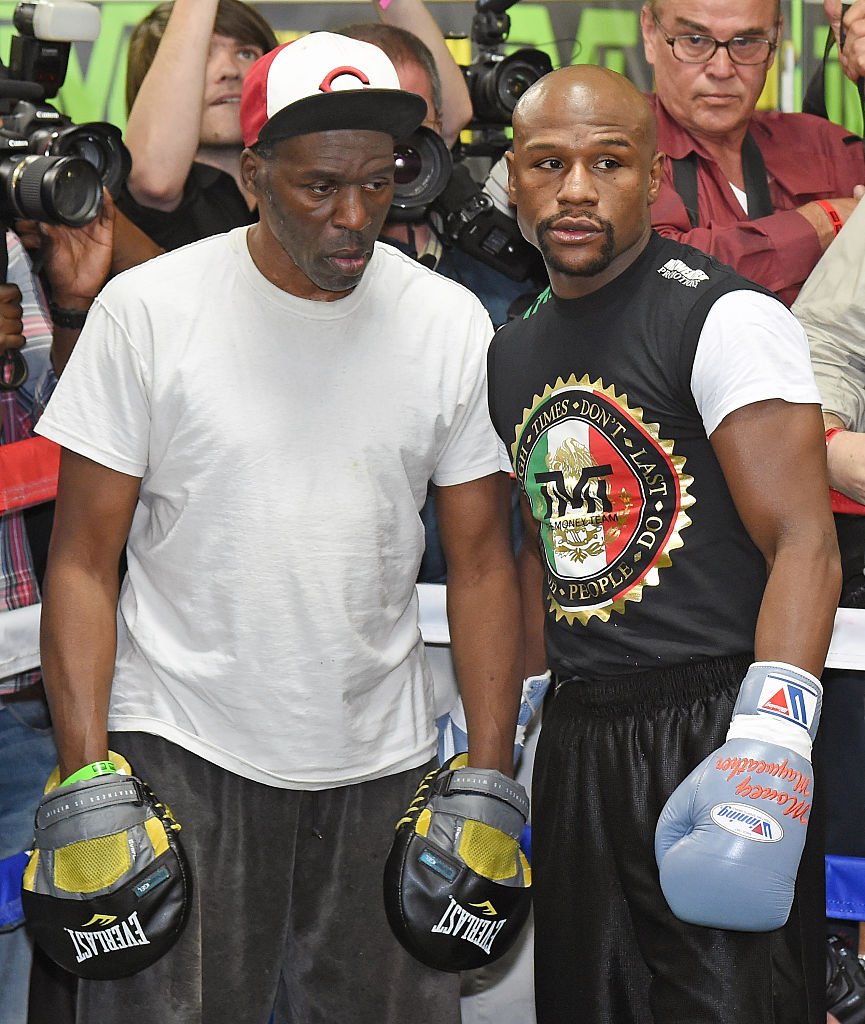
(324, 82)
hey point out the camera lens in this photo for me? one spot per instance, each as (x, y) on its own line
(101, 145)
(53, 189)
(84, 145)
(408, 163)
(513, 84)
(423, 167)
(97, 142)
(496, 82)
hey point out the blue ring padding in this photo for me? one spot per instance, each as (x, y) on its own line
(845, 887)
(11, 874)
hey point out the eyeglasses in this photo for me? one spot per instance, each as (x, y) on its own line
(696, 49)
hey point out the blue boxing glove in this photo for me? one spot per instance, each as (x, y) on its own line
(729, 840)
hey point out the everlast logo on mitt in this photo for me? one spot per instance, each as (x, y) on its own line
(106, 888)
(457, 921)
(124, 935)
(456, 883)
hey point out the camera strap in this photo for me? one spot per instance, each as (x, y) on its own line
(430, 252)
(814, 100)
(756, 182)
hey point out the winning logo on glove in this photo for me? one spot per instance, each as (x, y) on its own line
(106, 888)
(457, 885)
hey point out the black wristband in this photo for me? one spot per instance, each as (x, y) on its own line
(74, 319)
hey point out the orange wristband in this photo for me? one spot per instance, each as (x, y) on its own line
(837, 223)
(831, 432)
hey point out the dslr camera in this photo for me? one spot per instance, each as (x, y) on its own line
(845, 982)
(52, 170)
(497, 81)
(429, 181)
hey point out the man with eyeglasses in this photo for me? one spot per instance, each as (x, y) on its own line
(765, 192)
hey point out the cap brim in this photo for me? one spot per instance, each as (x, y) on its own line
(393, 111)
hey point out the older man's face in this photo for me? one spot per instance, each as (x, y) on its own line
(322, 200)
(716, 99)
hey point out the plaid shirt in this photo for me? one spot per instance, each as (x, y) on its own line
(18, 413)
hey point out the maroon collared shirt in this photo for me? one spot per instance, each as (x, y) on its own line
(806, 158)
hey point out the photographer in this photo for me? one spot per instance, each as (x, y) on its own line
(185, 179)
(416, 232)
(76, 263)
(454, 103)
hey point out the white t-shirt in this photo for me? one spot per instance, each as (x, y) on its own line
(268, 622)
(751, 348)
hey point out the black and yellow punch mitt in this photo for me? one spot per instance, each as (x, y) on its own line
(106, 889)
(456, 883)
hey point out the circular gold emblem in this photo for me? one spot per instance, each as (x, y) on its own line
(609, 494)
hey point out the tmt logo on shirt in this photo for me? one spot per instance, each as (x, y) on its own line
(608, 493)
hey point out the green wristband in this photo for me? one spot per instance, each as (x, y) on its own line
(90, 771)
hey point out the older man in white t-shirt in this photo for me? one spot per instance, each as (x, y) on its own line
(256, 418)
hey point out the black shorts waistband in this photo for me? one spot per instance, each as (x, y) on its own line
(665, 687)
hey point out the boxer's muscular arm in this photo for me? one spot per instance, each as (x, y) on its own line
(781, 492)
(753, 794)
